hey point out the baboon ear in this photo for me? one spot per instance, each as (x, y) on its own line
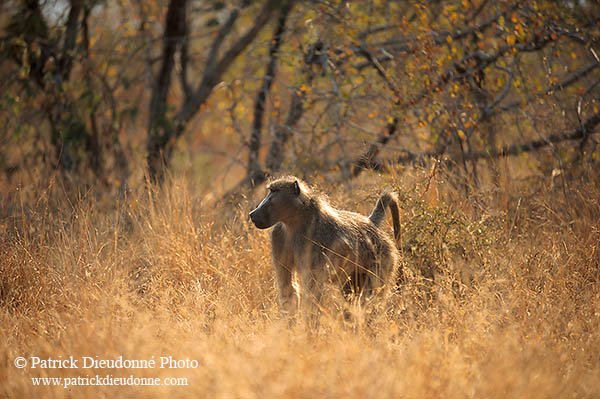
(296, 187)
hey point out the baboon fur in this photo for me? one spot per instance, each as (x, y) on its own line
(321, 243)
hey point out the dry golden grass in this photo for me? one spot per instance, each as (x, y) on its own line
(513, 314)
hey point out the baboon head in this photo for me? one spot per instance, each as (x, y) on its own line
(280, 205)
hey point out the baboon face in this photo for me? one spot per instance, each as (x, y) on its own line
(278, 205)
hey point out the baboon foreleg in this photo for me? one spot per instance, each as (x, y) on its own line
(288, 300)
(313, 284)
(283, 263)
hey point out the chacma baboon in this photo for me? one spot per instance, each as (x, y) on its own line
(321, 243)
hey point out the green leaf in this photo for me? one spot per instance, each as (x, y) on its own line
(212, 22)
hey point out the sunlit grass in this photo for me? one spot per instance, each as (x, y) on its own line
(163, 273)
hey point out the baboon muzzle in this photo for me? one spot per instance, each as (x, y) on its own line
(258, 219)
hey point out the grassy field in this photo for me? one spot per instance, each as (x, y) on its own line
(501, 296)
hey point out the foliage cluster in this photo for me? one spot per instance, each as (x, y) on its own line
(110, 91)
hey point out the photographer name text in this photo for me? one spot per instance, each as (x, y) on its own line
(89, 362)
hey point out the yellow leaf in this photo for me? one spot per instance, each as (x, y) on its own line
(461, 134)
(511, 39)
(517, 83)
(390, 119)
(112, 72)
(501, 20)
(449, 39)
(520, 30)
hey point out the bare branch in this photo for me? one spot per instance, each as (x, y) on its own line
(259, 107)
(162, 131)
(516, 149)
(223, 32)
(283, 133)
(215, 69)
(573, 78)
(377, 65)
(509, 150)
(66, 58)
(368, 158)
(504, 92)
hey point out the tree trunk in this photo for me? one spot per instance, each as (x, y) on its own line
(255, 171)
(159, 129)
(162, 132)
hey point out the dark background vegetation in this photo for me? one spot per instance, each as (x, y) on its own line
(105, 92)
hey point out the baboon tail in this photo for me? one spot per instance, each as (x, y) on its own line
(378, 214)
